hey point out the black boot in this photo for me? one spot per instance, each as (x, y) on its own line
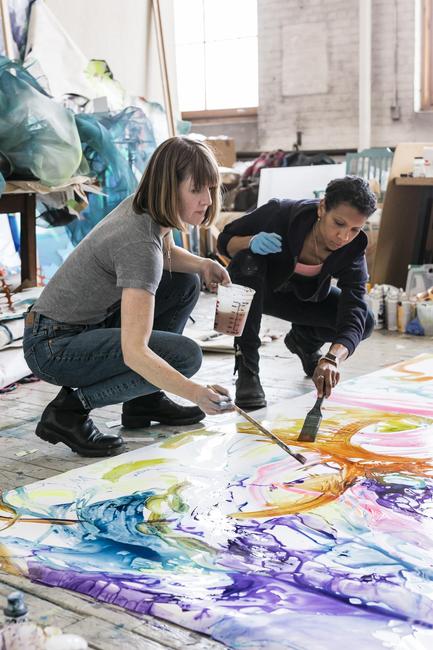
(309, 360)
(250, 395)
(157, 407)
(66, 420)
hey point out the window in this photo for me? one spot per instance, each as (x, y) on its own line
(216, 54)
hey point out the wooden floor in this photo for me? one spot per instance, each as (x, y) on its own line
(26, 459)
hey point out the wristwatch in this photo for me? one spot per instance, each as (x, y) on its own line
(330, 358)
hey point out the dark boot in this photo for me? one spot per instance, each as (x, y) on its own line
(66, 420)
(157, 407)
(250, 395)
(309, 360)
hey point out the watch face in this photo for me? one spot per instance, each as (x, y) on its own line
(331, 356)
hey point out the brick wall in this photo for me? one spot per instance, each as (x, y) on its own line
(323, 63)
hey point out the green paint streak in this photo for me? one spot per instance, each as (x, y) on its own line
(120, 471)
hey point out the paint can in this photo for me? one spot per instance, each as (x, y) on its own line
(375, 298)
(404, 311)
(391, 304)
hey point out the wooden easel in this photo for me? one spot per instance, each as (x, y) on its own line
(6, 29)
(156, 10)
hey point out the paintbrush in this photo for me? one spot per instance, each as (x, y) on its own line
(270, 434)
(312, 422)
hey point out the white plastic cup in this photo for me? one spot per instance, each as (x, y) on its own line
(232, 307)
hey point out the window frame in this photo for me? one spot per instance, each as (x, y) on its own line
(234, 113)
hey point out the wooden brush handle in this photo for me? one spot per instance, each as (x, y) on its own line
(270, 434)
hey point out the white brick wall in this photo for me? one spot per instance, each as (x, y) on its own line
(330, 120)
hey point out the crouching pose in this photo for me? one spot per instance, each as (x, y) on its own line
(108, 326)
(289, 251)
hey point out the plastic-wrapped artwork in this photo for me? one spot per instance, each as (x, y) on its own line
(38, 135)
(116, 148)
(222, 532)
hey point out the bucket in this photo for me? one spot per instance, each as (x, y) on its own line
(424, 312)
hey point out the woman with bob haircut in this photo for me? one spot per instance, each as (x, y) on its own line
(108, 325)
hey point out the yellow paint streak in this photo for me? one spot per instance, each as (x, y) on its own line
(7, 564)
(414, 375)
(127, 468)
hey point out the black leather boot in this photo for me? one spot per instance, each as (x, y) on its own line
(250, 395)
(157, 407)
(66, 420)
(309, 360)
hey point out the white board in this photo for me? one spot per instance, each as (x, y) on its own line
(296, 182)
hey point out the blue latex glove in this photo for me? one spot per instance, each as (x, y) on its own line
(265, 243)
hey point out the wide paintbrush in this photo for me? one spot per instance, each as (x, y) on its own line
(312, 422)
(270, 434)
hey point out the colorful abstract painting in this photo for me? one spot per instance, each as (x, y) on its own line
(222, 532)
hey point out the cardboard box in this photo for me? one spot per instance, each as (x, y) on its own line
(224, 150)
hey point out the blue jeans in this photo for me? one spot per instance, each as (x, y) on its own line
(89, 357)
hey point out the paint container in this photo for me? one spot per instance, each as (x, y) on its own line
(418, 170)
(428, 161)
(424, 312)
(20, 634)
(419, 278)
(232, 307)
(377, 306)
(391, 304)
(404, 312)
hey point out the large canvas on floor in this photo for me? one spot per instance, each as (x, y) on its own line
(222, 532)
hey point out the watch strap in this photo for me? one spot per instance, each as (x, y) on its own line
(330, 358)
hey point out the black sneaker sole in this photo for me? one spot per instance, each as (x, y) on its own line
(54, 438)
(140, 422)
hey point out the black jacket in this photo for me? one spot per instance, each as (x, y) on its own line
(293, 220)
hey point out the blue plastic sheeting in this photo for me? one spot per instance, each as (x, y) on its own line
(116, 148)
(38, 135)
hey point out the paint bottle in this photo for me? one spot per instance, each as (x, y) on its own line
(377, 306)
(404, 311)
(418, 167)
(391, 303)
(19, 634)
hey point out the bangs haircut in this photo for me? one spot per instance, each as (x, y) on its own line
(175, 160)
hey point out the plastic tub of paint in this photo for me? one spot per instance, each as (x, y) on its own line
(424, 312)
(232, 307)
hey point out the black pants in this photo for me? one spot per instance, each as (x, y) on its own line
(313, 323)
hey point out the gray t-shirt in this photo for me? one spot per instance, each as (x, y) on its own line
(124, 250)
